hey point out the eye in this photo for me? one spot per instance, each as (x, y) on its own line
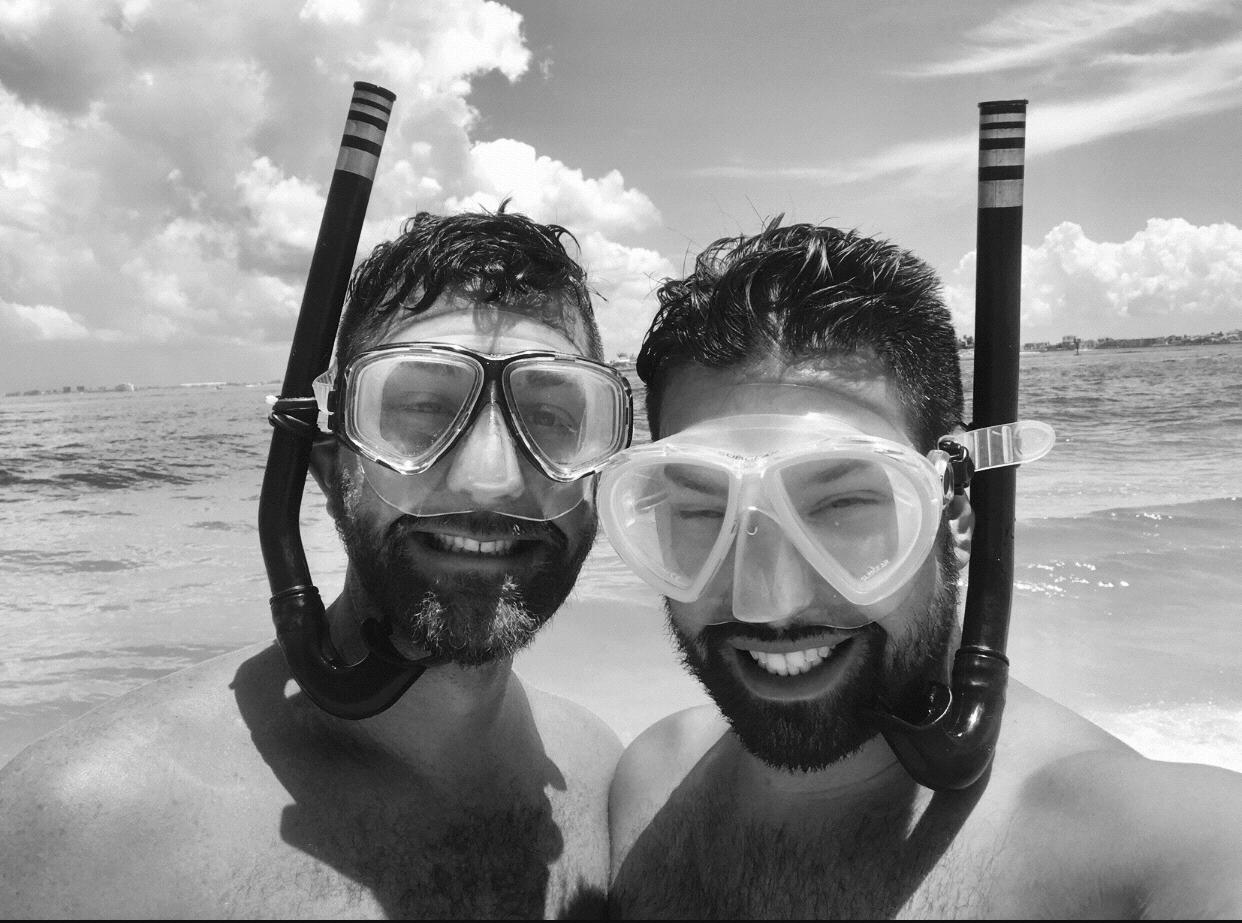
(703, 514)
(550, 417)
(843, 504)
(430, 408)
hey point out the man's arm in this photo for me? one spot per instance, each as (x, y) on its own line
(81, 833)
(1167, 834)
(1188, 825)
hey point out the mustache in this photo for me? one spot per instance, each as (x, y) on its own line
(482, 521)
(731, 631)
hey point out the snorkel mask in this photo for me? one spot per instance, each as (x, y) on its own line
(786, 499)
(404, 407)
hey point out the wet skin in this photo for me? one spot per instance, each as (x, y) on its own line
(805, 606)
(1068, 822)
(221, 791)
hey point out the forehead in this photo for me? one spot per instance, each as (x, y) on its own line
(865, 399)
(482, 327)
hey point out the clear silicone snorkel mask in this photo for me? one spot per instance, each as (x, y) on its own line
(545, 421)
(782, 494)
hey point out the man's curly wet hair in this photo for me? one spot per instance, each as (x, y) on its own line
(494, 259)
(803, 292)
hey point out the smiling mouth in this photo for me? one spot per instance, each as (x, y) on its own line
(461, 544)
(774, 662)
(794, 663)
(480, 549)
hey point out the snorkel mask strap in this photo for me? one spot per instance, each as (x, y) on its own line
(371, 685)
(951, 742)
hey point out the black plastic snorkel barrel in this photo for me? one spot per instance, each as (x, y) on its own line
(952, 747)
(371, 685)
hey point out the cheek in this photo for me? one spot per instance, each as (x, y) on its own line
(359, 502)
(909, 610)
(689, 619)
(579, 524)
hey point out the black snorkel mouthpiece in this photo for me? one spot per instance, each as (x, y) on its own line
(374, 683)
(950, 739)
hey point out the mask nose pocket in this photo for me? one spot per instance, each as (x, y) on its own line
(771, 579)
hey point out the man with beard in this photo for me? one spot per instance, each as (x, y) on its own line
(467, 413)
(795, 512)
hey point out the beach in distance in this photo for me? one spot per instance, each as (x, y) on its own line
(128, 549)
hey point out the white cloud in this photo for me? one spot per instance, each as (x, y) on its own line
(163, 166)
(1102, 68)
(626, 277)
(285, 210)
(548, 190)
(1171, 277)
(596, 211)
(333, 12)
(1049, 31)
(20, 323)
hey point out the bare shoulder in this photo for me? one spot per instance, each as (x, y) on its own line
(574, 736)
(92, 814)
(1169, 832)
(652, 767)
(1046, 745)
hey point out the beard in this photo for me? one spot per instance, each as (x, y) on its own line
(467, 619)
(811, 735)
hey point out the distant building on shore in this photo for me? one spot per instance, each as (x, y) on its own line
(1072, 342)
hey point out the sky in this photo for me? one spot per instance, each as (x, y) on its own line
(163, 165)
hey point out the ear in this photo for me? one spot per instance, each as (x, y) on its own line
(325, 461)
(961, 519)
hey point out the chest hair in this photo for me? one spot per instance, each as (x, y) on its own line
(515, 863)
(703, 858)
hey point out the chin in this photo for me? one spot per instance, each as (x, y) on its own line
(800, 735)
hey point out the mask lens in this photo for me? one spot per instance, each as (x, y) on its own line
(667, 521)
(572, 416)
(859, 521)
(405, 409)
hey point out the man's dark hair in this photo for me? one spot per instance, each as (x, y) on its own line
(491, 258)
(808, 291)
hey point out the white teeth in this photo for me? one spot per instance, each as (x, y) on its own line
(793, 663)
(471, 546)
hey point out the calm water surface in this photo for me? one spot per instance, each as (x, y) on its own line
(128, 549)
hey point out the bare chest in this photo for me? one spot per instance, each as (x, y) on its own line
(701, 859)
(534, 860)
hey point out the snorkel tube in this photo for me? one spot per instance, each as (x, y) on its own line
(952, 744)
(371, 685)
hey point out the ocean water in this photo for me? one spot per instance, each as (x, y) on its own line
(128, 549)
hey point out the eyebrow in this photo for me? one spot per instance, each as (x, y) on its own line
(543, 379)
(684, 476)
(836, 472)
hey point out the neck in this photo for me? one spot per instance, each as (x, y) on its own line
(871, 768)
(453, 716)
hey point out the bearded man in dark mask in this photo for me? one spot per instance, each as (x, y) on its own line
(464, 416)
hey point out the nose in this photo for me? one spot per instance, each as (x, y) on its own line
(771, 580)
(485, 464)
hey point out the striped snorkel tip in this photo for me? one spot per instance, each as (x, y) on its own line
(1002, 153)
(365, 128)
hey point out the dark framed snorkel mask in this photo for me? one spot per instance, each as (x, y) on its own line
(403, 407)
